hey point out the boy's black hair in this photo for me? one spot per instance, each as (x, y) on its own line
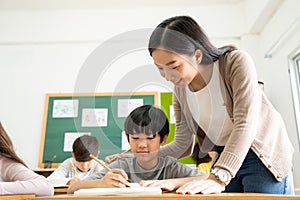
(85, 145)
(148, 120)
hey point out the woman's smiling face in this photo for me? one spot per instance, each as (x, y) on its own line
(178, 69)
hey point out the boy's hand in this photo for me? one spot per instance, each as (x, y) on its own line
(73, 180)
(168, 185)
(115, 178)
(111, 158)
(171, 184)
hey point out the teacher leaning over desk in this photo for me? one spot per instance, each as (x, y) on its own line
(217, 98)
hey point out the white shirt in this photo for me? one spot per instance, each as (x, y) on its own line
(209, 111)
(65, 172)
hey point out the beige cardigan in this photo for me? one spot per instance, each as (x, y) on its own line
(256, 123)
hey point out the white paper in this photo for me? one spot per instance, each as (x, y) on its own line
(172, 115)
(119, 191)
(65, 108)
(59, 182)
(70, 138)
(94, 117)
(125, 145)
(125, 106)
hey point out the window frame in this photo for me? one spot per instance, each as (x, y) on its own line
(294, 71)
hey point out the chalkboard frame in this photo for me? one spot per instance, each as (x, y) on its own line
(93, 98)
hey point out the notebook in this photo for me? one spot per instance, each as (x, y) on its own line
(119, 191)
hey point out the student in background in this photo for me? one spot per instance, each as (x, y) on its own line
(15, 176)
(205, 163)
(146, 128)
(80, 165)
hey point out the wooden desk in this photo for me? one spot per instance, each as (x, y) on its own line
(17, 197)
(60, 190)
(173, 196)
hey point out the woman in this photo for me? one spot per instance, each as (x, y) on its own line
(15, 176)
(217, 98)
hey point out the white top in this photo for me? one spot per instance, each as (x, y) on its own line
(209, 111)
(15, 178)
(65, 172)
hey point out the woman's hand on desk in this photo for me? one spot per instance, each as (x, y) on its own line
(206, 186)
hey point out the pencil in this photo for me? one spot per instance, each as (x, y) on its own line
(126, 151)
(74, 169)
(100, 162)
(105, 166)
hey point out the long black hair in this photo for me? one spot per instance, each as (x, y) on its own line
(182, 35)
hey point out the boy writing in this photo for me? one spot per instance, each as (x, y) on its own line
(146, 128)
(80, 165)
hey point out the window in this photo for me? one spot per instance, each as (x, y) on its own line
(295, 82)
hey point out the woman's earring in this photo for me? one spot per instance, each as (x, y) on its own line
(198, 61)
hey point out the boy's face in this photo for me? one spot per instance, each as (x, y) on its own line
(83, 166)
(145, 147)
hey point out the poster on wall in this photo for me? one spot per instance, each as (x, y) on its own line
(125, 106)
(65, 108)
(69, 139)
(94, 117)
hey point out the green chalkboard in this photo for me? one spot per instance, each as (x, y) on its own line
(69, 115)
(166, 103)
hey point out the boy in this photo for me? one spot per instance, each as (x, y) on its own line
(146, 128)
(80, 165)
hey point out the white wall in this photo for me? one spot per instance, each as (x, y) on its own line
(45, 47)
(274, 71)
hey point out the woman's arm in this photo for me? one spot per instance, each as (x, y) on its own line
(18, 179)
(240, 76)
(184, 137)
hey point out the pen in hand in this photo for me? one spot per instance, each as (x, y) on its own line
(105, 166)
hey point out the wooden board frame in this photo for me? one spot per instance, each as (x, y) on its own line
(42, 164)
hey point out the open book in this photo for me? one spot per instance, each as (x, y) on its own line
(119, 191)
